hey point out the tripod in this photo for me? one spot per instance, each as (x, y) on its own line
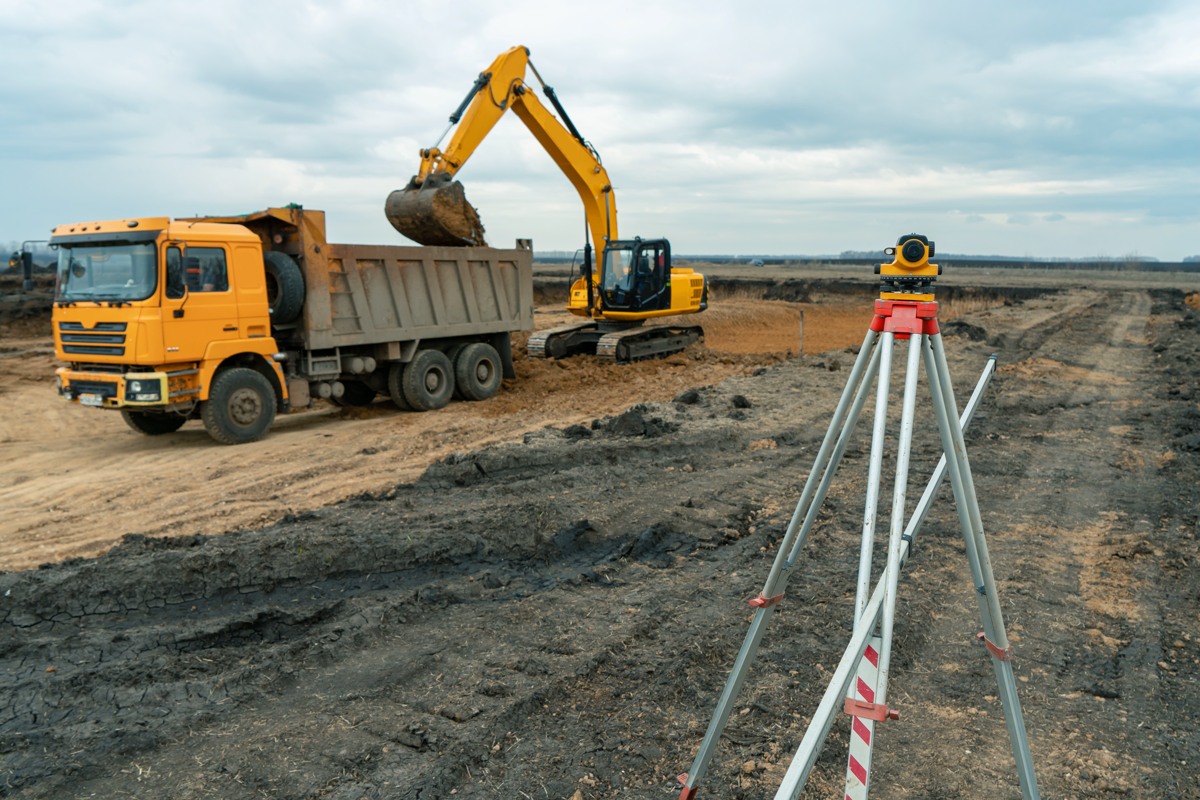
(859, 684)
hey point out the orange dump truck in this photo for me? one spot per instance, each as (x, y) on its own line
(230, 320)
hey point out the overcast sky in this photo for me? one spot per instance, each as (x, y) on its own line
(1023, 127)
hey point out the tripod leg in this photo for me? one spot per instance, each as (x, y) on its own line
(874, 468)
(868, 695)
(839, 685)
(899, 492)
(971, 524)
(832, 447)
(845, 417)
(862, 729)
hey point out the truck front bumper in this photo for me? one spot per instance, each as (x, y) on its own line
(109, 390)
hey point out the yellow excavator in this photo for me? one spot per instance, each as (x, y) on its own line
(632, 281)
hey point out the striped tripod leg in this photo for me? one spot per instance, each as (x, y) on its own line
(862, 729)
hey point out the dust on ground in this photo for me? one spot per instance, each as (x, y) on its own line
(545, 600)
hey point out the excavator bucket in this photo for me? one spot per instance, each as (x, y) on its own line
(435, 213)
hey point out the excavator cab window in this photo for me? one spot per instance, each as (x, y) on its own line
(617, 279)
(636, 275)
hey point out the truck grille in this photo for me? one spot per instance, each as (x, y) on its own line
(102, 388)
(105, 339)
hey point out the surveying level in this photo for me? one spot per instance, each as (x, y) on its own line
(905, 313)
(910, 276)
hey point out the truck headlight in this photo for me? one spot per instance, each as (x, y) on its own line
(143, 391)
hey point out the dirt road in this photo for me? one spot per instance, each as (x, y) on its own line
(548, 604)
(82, 478)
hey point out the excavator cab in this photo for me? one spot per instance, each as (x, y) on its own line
(636, 275)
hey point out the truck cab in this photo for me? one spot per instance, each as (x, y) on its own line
(148, 310)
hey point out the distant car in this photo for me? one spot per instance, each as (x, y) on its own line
(757, 262)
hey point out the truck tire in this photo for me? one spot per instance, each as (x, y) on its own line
(285, 287)
(395, 385)
(428, 381)
(356, 393)
(452, 354)
(240, 406)
(152, 424)
(478, 372)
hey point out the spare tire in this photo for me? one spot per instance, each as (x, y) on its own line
(285, 287)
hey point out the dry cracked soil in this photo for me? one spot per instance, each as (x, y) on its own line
(542, 595)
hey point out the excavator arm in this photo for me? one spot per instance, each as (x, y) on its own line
(432, 209)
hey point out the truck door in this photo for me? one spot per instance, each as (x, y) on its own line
(200, 306)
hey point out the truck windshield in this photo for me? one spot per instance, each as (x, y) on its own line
(118, 271)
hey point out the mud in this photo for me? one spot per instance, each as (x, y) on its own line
(553, 612)
(435, 214)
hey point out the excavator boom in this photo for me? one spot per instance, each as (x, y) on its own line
(433, 208)
(630, 281)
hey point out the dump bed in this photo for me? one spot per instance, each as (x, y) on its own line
(372, 294)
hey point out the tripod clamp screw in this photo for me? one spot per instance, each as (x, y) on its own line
(999, 654)
(763, 601)
(876, 711)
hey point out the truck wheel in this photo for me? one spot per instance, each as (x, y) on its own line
(285, 287)
(395, 385)
(240, 406)
(152, 424)
(477, 372)
(428, 381)
(356, 393)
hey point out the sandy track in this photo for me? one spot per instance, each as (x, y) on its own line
(78, 479)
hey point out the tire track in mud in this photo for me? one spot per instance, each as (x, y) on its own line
(227, 619)
(560, 613)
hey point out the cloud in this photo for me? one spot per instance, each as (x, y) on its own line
(797, 129)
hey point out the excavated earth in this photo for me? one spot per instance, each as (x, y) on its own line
(551, 610)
